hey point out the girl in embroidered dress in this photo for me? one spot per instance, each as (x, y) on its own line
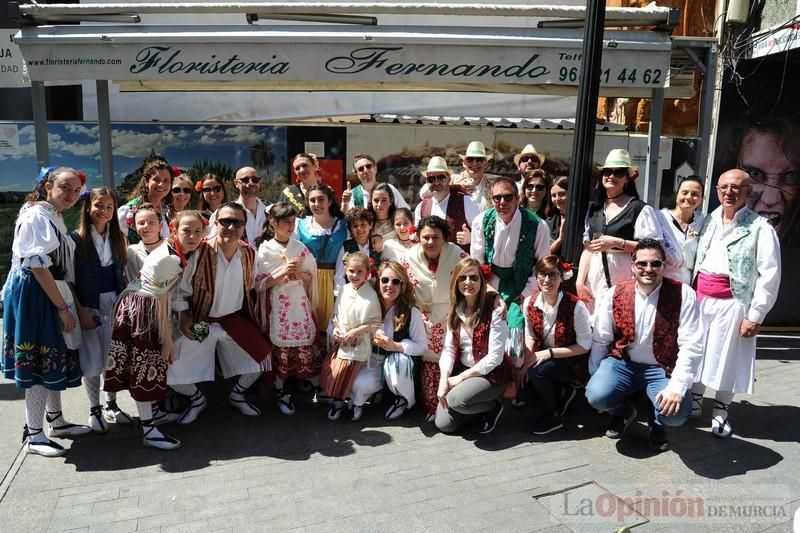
(41, 336)
(474, 368)
(404, 238)
(148, 229)
(182, 187)
(100, 259)
(155, 187)
(306, 168)
(290, 298)
(382, 206)
(357, 313)
(212, 194)
(141, 342)
(558, 336)
(399, 343)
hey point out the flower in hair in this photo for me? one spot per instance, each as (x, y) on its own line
(412, 230)
(82, 176)
(487, 270)
(199, 186)
(567, 268)
(175, 171)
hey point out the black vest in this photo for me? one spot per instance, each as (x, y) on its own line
(621, 226)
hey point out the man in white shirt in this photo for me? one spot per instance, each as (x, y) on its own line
(217, 309)
(474, 178)
(247, 182)
(367, 171)
(647, 335)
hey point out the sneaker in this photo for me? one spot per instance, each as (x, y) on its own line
(153, 438)
(358, 411)
(569, 395)
(114, 415)
(65, 429)
(335, 411)
(658, 439)
(397, 409)
(285, 403)
(42, 445)
(697, 405)
(490, 419)
(547, 424)
(96, 420)
(619, 424)
(197, 404)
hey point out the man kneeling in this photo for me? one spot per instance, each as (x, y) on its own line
(650, 328)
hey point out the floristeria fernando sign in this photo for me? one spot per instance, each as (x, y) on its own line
(333, 57)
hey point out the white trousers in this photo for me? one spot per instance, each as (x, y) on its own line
(729, 360)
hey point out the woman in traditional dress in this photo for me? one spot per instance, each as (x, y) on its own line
(558, 336)
(306, 168)
(323, 233)
(430, 266)
(535, 192)
(474, 368)
(681, 227)
(182, 187)
(399, 343)
(360, 223)
(405, 235)
(290, 296)
(212, 194)
(557, 213)
(100, 259)
(617, 219)
(41, 334)
(155, 187)
(382, 206)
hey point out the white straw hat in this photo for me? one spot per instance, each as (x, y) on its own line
(620, 158)
(529, 150)
(437, 164)
(476, 149)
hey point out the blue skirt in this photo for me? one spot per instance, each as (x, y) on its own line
(34, 351)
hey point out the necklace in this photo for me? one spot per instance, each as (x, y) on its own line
(154, 242)
(282, 243)
(615, 197)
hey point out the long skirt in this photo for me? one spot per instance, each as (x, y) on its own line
(96, 341)
(304, 362)
(729, 359)
(398, 369)
(135, 362)
(34, 350)
(325, 299)
(338, 376)
(430, 386)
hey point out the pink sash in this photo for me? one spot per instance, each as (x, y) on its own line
(714, 286)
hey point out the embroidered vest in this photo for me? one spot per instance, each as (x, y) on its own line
(665, 328)
(502, 373)
(293, 194)
(455, 215)
(351, 246)
(622, 225)
(203, 282)
(357, 198)
(563, 332)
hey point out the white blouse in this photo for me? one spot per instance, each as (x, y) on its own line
(35, 237)
(417, 339)
(462, 348)
(580, 321)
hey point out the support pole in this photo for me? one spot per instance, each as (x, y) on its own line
(104, 129)
(652, 182)
(580, 174)
(39, 102)
(706, 111)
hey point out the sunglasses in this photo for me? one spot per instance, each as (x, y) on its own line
(436, 179)
(231, 222)
(616, 172)
(503, 198)
(547, 275)
(250, 179)
(536, 187)
(394, 281)
(468, 277)
(641, 265)
(362, 168)
(529, 158)
(184, 190)
(215, 189)
(474, 159)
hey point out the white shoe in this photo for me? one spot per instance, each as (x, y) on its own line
(114, 415)
(358, 411)
(155, 439)
(64, 429)
(720, 426)
(335, 411)
(430, 419)
(240, 403)
(96, 421)
(163, 417)
(397, 409)
(285, 403)
(197, 404)
(45, 448)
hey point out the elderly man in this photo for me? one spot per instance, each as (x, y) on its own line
(367, 170)
(528, 159)
(509, 240)
(474, 178)
(737, 274)
(246, 181)
(646, 336)
(217, 307)
(447, 202)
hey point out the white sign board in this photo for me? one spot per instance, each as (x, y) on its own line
(9, 139)
(13, 72)
(389, 56)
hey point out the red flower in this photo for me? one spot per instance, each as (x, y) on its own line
(412, 230)
(82, 176)
(199, 186)
(487, 271)
(175, 171)
(433, 267)
(566, 267)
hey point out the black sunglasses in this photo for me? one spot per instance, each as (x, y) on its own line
(228, 222)
(503, 197)
(184, 190)
(474, 159)
(436, 179)
(393, 281)
(527, 158)
(214, 189)
(534, 187)
(641, 265)
(468, 277)
(250, 179)
(616, 172)
(362, 168)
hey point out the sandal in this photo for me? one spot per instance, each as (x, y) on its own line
(67, 429)
(96, 421)
(285, 403)
(158, 440)
(397, 409)
(336, 410)
(45, 448)
(720, 426)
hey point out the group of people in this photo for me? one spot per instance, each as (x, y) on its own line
(455, 305)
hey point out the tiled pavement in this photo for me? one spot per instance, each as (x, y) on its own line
(305, 473)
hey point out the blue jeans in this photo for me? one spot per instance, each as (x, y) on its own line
(617, 379)
(548, 379)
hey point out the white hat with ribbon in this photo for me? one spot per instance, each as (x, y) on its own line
(529, 150)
